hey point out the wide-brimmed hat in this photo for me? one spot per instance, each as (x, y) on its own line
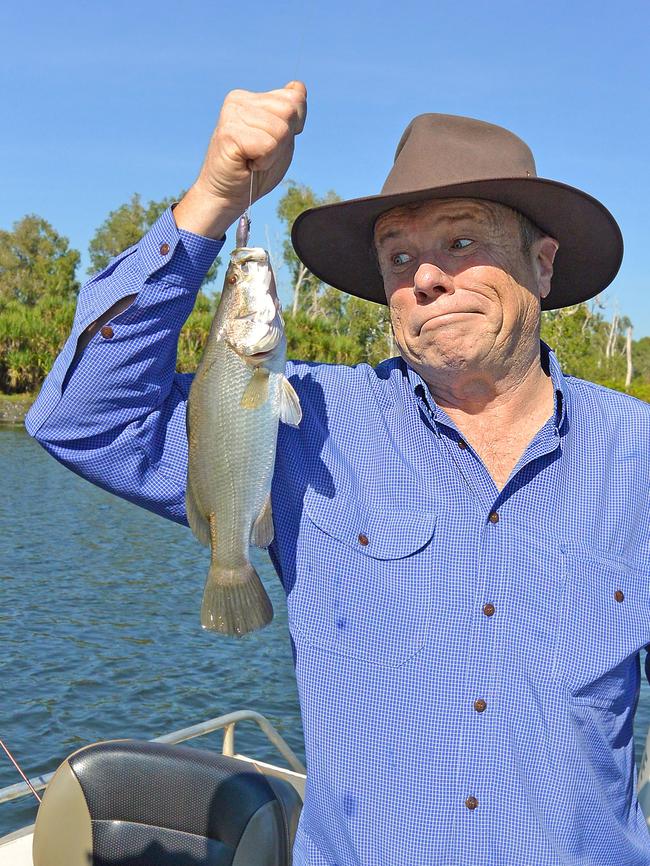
(445, 156)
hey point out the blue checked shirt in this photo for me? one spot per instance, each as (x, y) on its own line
(467, 660)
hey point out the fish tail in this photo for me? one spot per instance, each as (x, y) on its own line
(235, 601)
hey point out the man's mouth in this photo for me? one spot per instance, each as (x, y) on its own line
(445, 315)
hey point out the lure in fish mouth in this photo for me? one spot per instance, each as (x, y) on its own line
(237, 398)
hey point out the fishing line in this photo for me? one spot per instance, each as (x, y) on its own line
(305, 14)
(15, 763)
(247, 212)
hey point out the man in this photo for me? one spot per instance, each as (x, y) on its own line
(462, 532)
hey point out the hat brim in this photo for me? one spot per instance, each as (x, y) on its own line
(335, 241)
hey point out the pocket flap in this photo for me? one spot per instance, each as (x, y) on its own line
(380, 533)
(604, 622)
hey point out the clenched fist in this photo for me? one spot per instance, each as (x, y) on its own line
(255, 132)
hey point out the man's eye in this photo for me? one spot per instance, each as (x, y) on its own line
(461, 243)
(400, 259)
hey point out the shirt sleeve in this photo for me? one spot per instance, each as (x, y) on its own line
(118, 417)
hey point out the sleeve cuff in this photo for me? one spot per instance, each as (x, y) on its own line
(177, 255)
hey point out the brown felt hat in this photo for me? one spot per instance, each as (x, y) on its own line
(445, 156)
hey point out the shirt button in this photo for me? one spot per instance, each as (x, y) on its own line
(164, 249)
(363, 539)
(462, 444)
(480, 705)
(106, 332)
(471, 803)
(618, 595)
(488, 609)
(494, 517)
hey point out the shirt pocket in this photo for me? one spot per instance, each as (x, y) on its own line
(604, 621)
(364, 579)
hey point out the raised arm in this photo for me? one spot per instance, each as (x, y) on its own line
(112, 408)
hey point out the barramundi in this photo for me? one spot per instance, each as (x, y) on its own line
(237, 398)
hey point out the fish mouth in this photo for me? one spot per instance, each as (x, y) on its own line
(241, 255)
(261, 356)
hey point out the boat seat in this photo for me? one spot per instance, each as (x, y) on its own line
(132, 803)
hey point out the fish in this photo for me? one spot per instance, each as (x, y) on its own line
(238, 396)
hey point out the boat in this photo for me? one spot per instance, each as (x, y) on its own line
(146, 770)
(244, 809)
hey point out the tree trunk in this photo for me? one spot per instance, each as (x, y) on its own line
(302, 273)
(612, 336)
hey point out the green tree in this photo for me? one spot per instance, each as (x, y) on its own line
(36, 262)
(306, 287)
(577, 336)
(641, 359)
(369, 326)
(30, 339)
(125, 226)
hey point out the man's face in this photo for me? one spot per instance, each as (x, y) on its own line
(461, 292)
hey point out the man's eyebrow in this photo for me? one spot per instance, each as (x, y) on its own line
(468, 215)
(391, 234)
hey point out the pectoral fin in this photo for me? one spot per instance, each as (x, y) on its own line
(198, 523)
(256, 392)
(290, 411)
(262, 532)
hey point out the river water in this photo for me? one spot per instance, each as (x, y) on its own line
(99, 630)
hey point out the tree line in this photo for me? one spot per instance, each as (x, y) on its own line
(39, 287)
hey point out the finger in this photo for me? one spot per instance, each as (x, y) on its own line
(291, 98)
(284, 103)
(298, 86)
(257, 146)
(299, 89)
(269, 122)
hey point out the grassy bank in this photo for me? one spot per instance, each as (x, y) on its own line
(14, 407)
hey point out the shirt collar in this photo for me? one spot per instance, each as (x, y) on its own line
(550, 365)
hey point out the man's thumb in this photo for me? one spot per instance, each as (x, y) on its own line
(296, 85)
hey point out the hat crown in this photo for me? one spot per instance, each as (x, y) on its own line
(443, 149)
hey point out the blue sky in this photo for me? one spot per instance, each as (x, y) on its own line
(103, 100)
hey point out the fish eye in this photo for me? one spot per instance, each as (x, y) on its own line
(461, 243)
(400, 259)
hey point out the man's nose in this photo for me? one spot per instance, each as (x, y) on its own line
(431, 281)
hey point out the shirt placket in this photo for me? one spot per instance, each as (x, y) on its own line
(482, 711)
(479, 687)
(480, 697)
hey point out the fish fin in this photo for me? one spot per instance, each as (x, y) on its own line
(235, 601)
(256, 392)
(262, 532)
(290, 411)
(198, 523)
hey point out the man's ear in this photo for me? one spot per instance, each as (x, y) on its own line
(544, 250)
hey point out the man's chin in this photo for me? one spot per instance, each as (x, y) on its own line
(437, 363)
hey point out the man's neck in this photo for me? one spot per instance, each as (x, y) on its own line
(485, 399)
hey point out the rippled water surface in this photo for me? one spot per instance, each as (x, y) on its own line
(99, 630)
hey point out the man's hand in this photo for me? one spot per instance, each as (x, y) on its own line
(255, 131)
